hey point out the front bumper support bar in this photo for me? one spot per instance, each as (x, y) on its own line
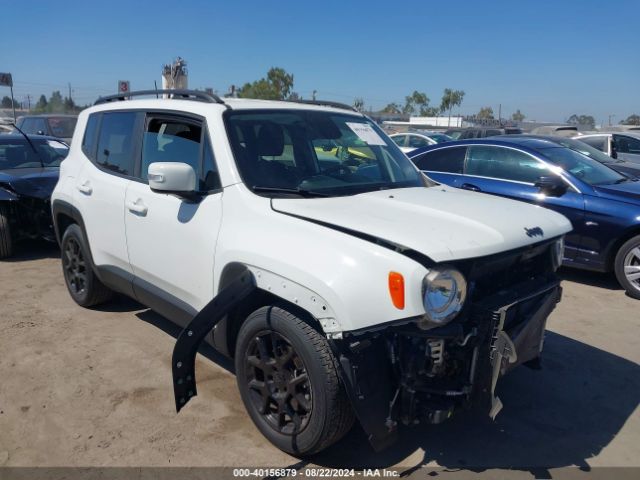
(186, 348)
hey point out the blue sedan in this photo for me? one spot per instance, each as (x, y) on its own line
(602, 204)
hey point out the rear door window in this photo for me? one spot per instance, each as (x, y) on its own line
(417, 142)
(447, 160)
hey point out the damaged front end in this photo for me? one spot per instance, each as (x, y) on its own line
(413, 373)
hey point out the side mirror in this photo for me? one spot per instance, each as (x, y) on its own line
(39, 132)
(172, 177)
(552, 186)
(614, 151)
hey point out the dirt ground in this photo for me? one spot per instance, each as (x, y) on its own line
(93, 388)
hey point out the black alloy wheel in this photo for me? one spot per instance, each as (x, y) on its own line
(278, 383)
(75, 266)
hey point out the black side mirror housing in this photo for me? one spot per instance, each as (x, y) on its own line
(552, 186)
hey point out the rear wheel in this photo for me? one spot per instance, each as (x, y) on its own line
(84, 286)
(288, 380)
(627, 267)
(6, 242)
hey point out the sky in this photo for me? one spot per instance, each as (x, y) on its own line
(549, 59)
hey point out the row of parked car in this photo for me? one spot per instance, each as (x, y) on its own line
(298, 239)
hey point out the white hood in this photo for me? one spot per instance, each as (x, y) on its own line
(440, 222)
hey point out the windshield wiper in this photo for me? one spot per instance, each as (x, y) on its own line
(295, 191)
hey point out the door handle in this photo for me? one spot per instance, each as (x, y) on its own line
(470, 186)
(138, 207)
(85, 188)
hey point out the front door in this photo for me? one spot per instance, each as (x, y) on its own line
(171, 240)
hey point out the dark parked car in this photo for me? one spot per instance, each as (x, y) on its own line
(29, 169)
(622, 166)
(602, 204)
(59, 126)
(465, 133)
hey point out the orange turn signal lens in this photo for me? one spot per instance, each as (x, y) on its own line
(396, 289)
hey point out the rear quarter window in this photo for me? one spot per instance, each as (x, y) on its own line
(90, 139)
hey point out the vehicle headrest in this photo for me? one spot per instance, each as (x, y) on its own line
(270, 140)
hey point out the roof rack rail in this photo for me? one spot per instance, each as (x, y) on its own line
(175, 94)
(327, 103)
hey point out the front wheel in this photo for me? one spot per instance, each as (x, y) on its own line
(289, 383)
(627, 267)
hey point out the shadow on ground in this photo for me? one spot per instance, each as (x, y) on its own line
(33, 250)
(594, 279)
(559, 416)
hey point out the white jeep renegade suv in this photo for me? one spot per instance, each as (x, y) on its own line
(299, 240)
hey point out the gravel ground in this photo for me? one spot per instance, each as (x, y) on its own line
(93, 388)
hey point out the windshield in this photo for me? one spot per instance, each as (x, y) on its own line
(317, 152)
(585, 149)
(583, 167)
(62, 126)
(18, 153)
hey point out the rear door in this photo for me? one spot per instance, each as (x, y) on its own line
(111, 144)
(444, 165)
(171, 240)
(511, 173)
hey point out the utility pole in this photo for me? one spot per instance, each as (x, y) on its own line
(69, 92)
(610, 117)
(500, 113)
(29, 101)
(313, 95)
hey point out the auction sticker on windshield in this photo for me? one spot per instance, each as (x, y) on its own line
(366, 133)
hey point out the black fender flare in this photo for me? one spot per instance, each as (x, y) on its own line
(185, 350)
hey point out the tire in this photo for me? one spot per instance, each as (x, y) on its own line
(627, 266)
(319, 403)
(6, 242)
(84, 286)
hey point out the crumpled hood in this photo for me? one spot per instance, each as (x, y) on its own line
(440, 222)
(31, 182)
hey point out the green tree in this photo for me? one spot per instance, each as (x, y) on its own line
(56, 103)
(277, 86)
(451, 98)
(485, 113)
(41, 106)
(518, 116)
(584, 120)
(6, 102)
(392, 108)
(417, 100)
(630, 120)
(69, 105)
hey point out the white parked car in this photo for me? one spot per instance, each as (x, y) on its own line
(410, 141)
(343, 288)
(620, 145)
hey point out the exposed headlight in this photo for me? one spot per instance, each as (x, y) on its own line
(557, 253)
(444, 291)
